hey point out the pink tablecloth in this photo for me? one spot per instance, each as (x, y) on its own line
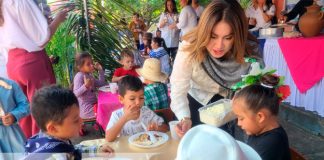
(305, 59)
(107, 103)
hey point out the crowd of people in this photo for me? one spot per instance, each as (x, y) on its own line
(262, 13)
(201, 52)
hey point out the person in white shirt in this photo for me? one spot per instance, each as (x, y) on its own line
(198, 8)
(260, 13)
(24, 33)
(187, 19)
(170, 35)
(210, 60)
(134, 117)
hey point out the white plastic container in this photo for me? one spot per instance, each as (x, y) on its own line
(217, 113)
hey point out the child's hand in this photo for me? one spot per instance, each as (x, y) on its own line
(153, 127)
(98, 66)
(88, 82)
(8, 119)
(105, 148)
(132, 112)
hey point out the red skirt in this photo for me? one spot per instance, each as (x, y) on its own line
(31, 70)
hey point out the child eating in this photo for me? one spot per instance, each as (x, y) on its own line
(155, 91)
(257, 107)
(84, 85)
(56, 112)
(129, 120)
(127, 60)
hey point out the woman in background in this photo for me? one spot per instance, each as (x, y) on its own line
(261, 12)
(187, 19)
(170, 35)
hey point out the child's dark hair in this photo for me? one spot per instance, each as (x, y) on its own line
(148, 36)
(126, 53)
(160, 42)
(80, 59)
(136, 14)
(52, 103)
(129, 83)
(261, 95)
(158, 30)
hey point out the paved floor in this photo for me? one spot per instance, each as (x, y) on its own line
(309, 145)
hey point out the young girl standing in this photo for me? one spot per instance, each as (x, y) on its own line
(257, 107)
(85, 84)
(13, 107)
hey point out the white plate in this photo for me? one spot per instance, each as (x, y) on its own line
(105, 88)
(164, 138)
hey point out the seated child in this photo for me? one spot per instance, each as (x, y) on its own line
(84, 84)
(257, 107)
(158, 51)
(129, 120)
(127, 60)
(13, 107)
(155, 91)
(146, 46)
(56, 112)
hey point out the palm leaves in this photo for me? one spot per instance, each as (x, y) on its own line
(245, 3)
(101, 35)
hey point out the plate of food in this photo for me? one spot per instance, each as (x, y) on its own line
(105, 88)
(144, 140)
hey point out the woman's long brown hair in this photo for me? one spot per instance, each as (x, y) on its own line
(229, 11)
(1, 15)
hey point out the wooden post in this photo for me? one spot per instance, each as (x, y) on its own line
(86, 14)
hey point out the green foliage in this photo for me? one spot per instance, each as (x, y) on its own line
(150, 10)
(61, 45)
(245, 3)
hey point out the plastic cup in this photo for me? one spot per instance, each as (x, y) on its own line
(172, 125)
(113, 88)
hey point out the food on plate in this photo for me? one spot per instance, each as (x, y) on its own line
(144, 139)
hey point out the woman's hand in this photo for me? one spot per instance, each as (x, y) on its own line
(61, 16)
(173, 26)
(182, 127)
(164, 22)
(8, 119)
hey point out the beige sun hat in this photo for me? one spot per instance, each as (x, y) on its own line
(151, 70)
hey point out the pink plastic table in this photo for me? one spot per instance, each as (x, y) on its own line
(107, 103)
